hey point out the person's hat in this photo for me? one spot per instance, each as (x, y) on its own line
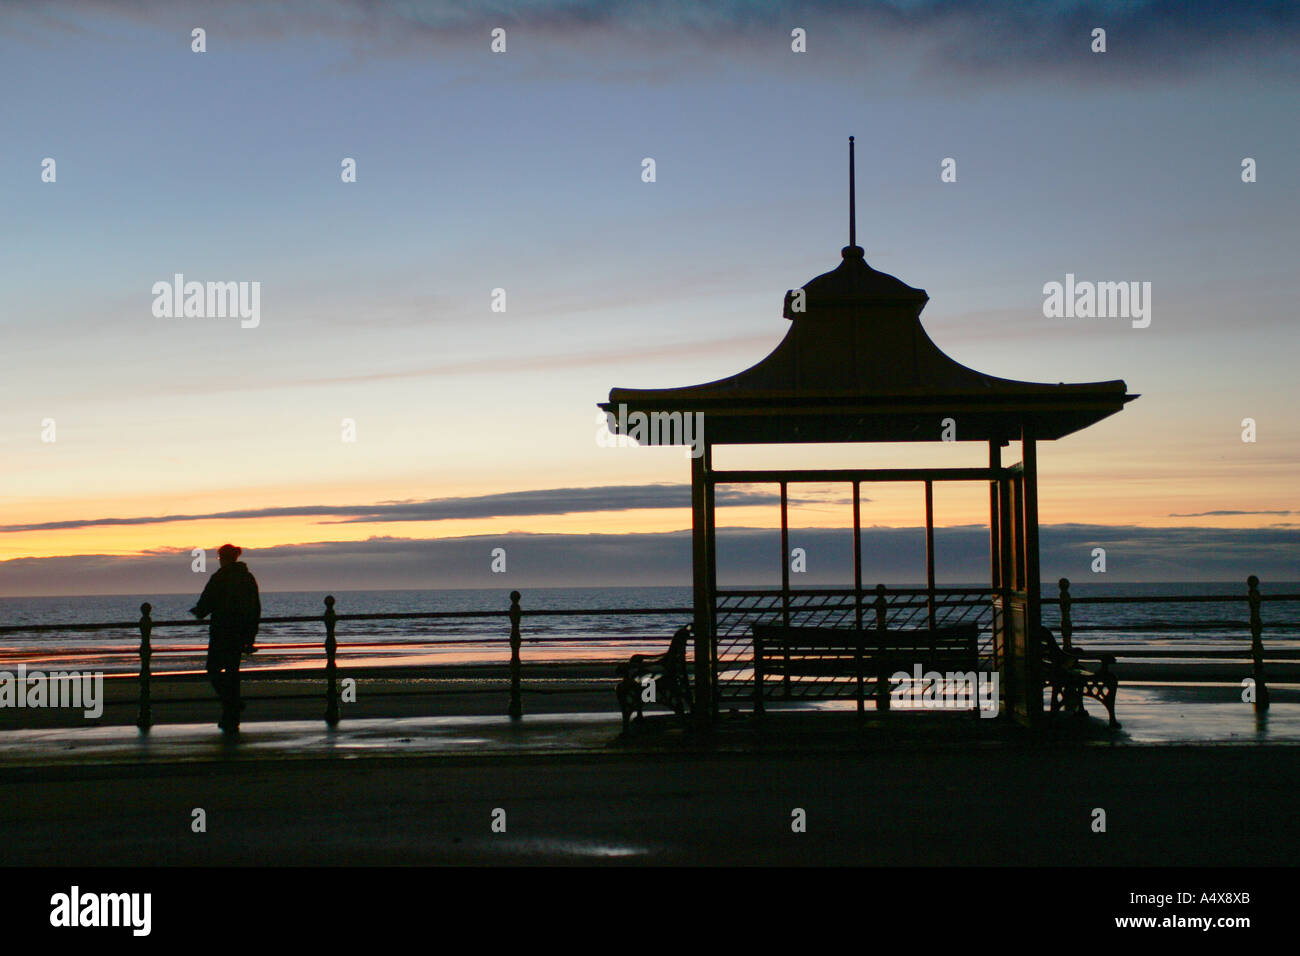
(228, 551)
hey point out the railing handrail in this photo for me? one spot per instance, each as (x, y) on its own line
(1167, 599)
(515, 613)
(376, 616)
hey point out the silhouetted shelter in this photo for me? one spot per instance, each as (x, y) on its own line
(857, 366)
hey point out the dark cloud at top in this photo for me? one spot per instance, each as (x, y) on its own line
(971, 38)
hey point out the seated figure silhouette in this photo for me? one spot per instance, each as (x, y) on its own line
(231, 598)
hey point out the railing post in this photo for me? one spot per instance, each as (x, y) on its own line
(882, 619)
(144, 719)
(516, 705)
(1067, 626)
(331, 667)
(1257, 644)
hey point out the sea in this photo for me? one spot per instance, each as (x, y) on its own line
(178, 640)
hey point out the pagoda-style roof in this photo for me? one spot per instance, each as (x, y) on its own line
(857, 366)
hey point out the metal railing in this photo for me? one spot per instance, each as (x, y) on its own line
(326, 651)
(737, 610)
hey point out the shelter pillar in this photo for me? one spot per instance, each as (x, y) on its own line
(1033, 581)
(711, 552)
(1011, 541)
(704, 575)
(929, 555)
(1025, 695)
(997, 576)
(995, 547)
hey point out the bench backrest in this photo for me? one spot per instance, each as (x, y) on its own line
(677, 647)
(1051, 651)
(956, 644)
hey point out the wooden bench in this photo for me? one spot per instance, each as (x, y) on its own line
(667, 671)
(1070, 680)
(861, 654)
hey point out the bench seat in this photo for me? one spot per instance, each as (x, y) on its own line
(865, 653)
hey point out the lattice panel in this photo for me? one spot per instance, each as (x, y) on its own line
(737, 611)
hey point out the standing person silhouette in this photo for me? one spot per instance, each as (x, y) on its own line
(232, 599)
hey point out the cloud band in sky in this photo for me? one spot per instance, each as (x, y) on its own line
(750, 556)
(551, 501)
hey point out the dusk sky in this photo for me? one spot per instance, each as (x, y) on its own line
(522, 171)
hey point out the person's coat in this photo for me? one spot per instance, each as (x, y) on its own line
(231, 597)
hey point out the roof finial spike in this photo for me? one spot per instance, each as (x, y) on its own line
(853, 201)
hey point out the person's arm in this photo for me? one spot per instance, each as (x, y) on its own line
(255, 614)
(204, 607)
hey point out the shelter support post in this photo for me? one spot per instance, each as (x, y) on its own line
(857, 588)
(702, 577)
(929, 553)
(711, 548)
(785, 582)
(1026, 695)
(995, 546)
(997, 578)
(1033, 580)
(1007, 542)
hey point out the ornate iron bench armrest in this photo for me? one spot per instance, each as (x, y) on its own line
(1101, 669)
(1071, 680)
(1107, 659)
(670, 665)
(643, 663)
